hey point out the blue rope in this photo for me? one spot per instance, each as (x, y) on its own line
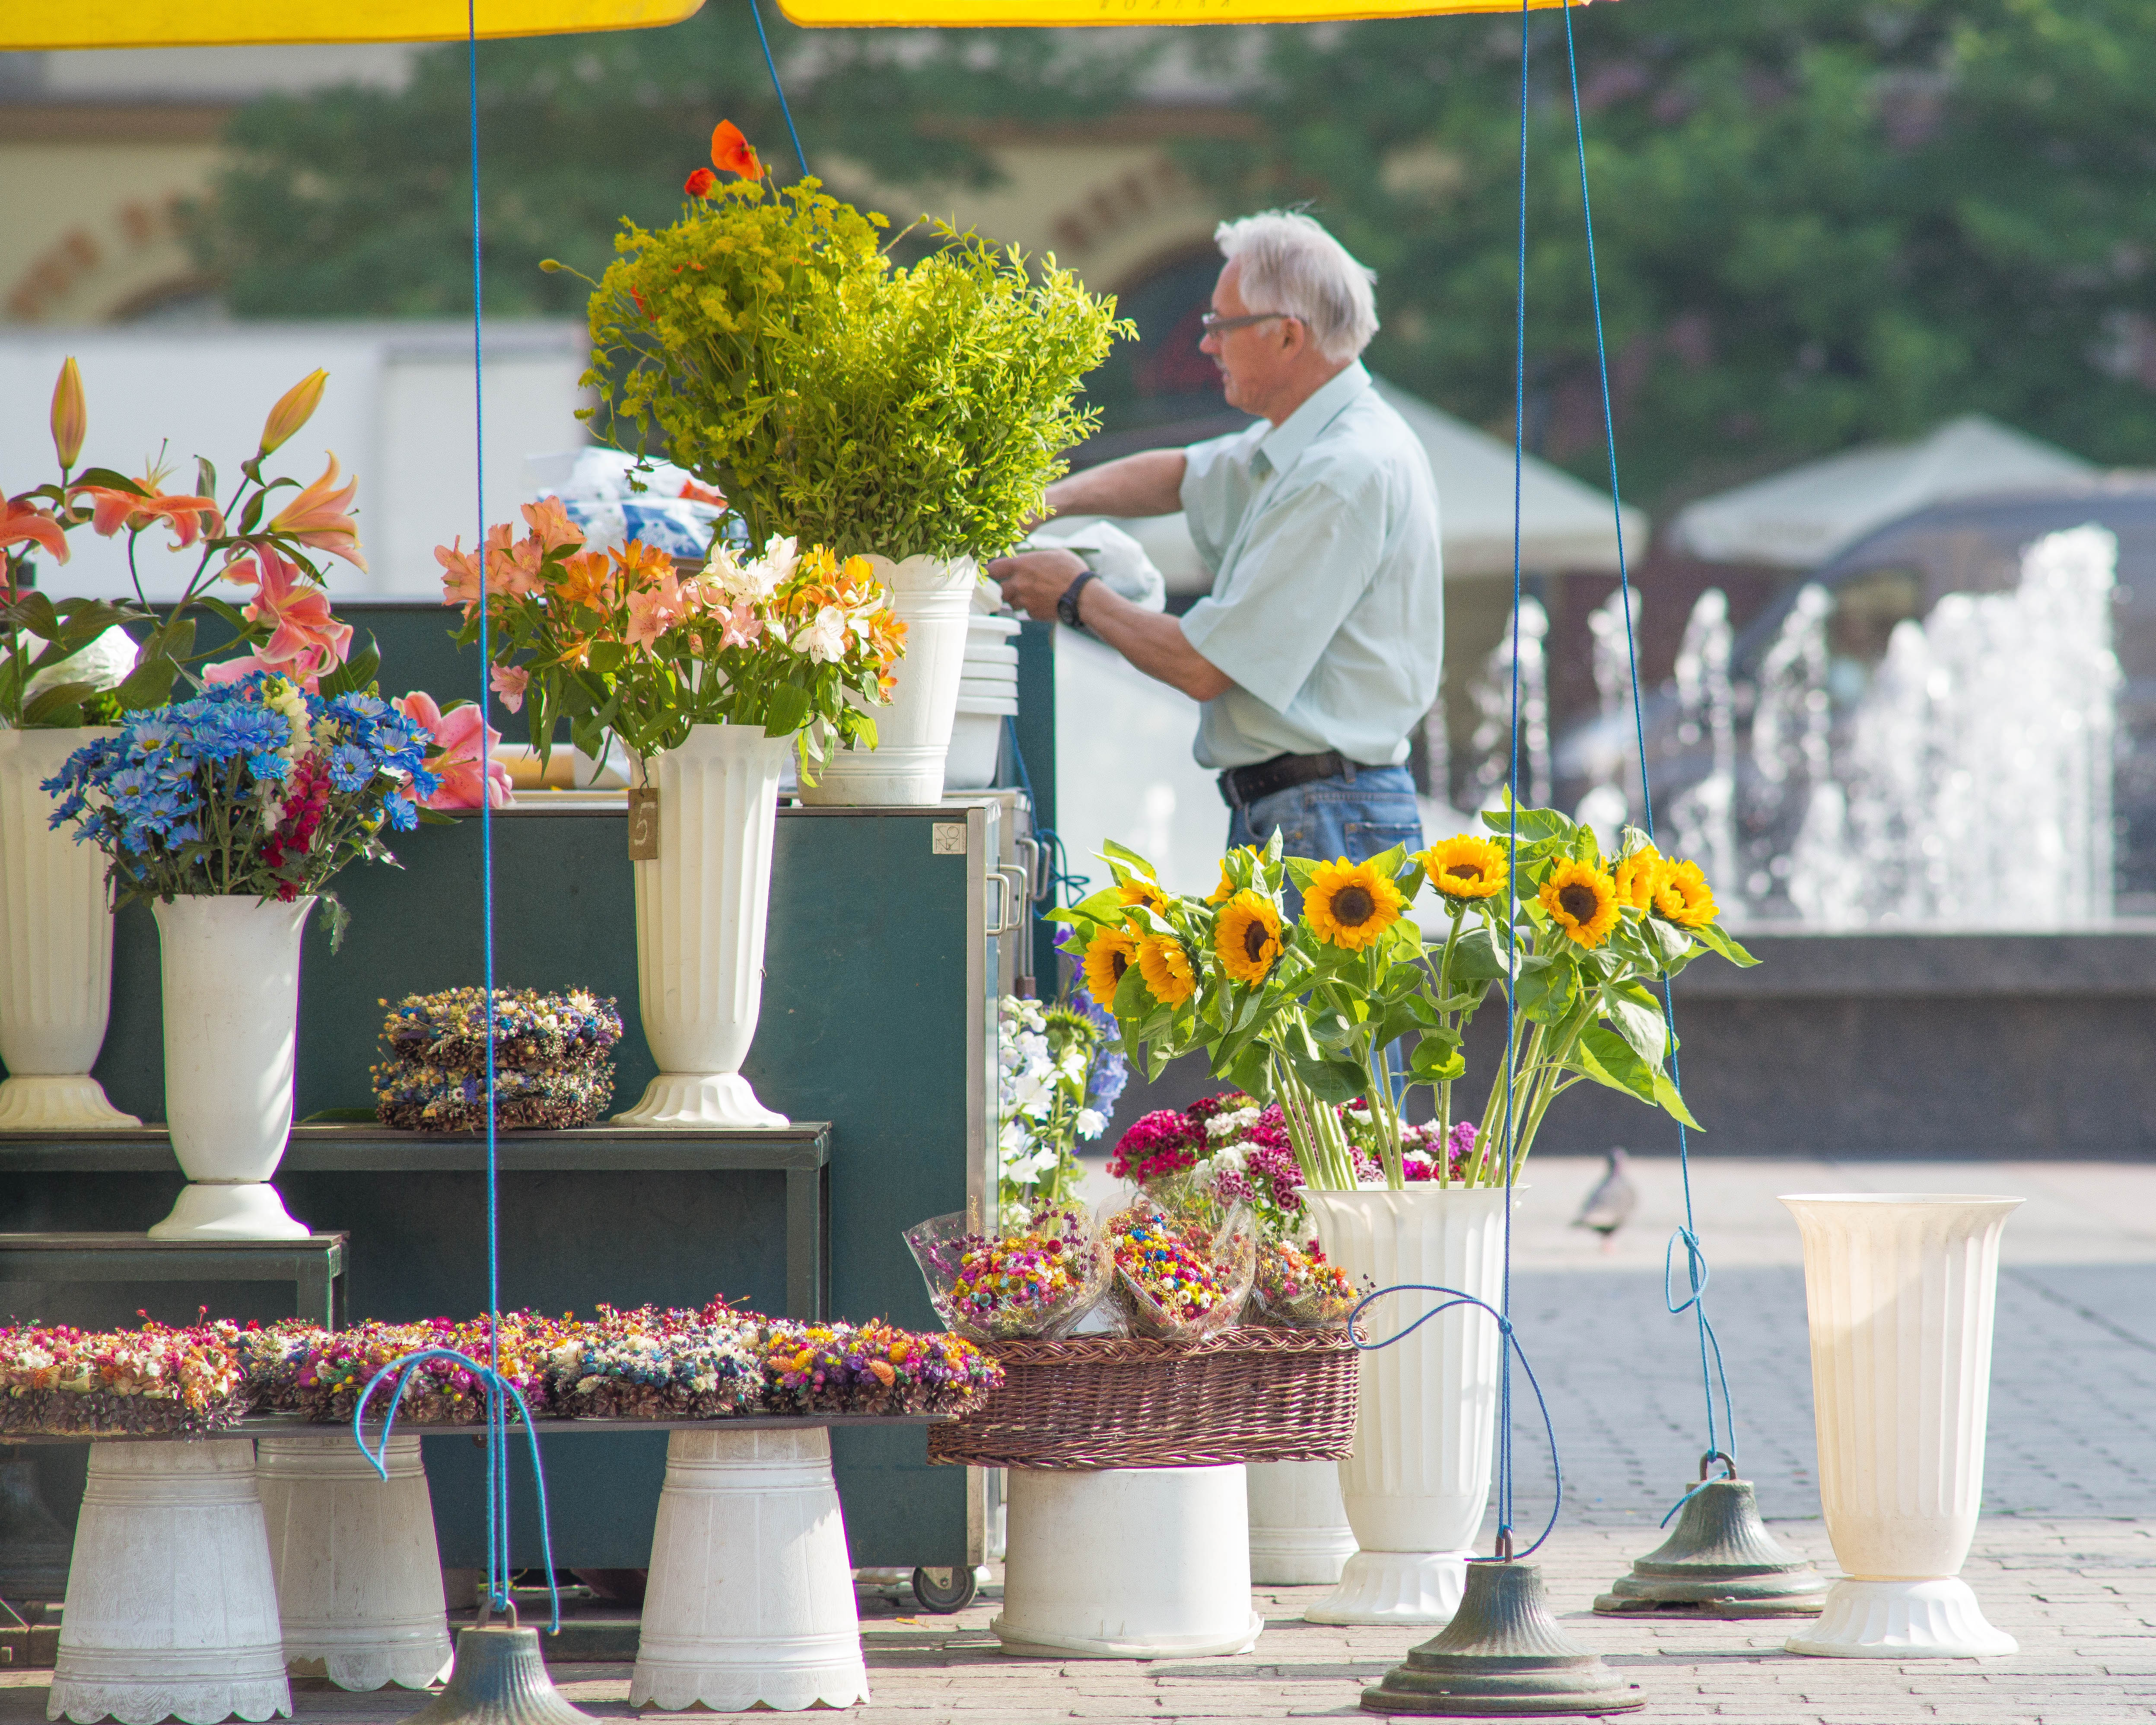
(1695, 1258)
(499, 1391)
(1455, 1297)
(1061, 878)
(1504, 1543)
(771, 65)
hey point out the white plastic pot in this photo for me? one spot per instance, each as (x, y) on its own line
(231, 968)
(700, 910)
(171, 1608)
(359, 1581)
(1899, 1288)
(1419, 1480)
(55, 948)
(750, 1598)
(934, 599)
(977, 741)
(1299, 1530)
(1148, 1562)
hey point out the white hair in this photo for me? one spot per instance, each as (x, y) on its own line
(1291, 264)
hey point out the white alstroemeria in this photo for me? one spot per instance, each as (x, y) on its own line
(1091, 1123)
(824, 640)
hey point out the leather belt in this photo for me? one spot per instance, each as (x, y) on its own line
(1241, 786)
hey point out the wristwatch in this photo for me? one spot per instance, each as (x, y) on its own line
(1066, 607)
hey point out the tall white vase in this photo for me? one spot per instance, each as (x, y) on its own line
(55, 948)
(1299, 1530)
(231, 968)
(699, 924)
(1899, 1288)
(934, 599)
(1419, 1480)
(750, 1598)
(171, 1608)
(1127, 1563)
(359, 1580)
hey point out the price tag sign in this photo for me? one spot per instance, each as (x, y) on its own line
(1006, 14)
(644, 823)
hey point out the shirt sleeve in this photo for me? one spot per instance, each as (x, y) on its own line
(1307, 559)
(1212, 482)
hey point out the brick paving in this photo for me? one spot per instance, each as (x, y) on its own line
(2065, 1560)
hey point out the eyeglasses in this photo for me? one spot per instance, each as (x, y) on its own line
(1215, 325)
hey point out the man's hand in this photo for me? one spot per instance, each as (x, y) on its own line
(1035, 580)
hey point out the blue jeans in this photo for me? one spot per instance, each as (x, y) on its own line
(1365, 810)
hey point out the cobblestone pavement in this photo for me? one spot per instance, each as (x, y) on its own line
(2064, 1559)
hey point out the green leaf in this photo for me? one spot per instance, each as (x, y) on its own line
(1547, 989)
(105, 479)
(1638, 1018)
(1712, 936)
(1609, 1059)
(1672, 1101)
(149, 684)
(51, 706)
(358, 671)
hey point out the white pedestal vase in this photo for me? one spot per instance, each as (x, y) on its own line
(1149, 1562)
(1419, 1480)
(934, 598)
(171, 1608)
(359, 1581)
(700, 926)
(55, 948)
(1899, 1288)
(231, 968)
(1299, 1530)
(750, 1598)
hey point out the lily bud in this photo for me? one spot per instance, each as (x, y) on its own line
(70, 413)
(293, 409)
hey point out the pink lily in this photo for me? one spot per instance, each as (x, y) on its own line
(650, 617)
(112, 509)
(306, 671)
(462, 583)
(303, 624)
(455, 760)
(319, 516)
(742, 626)
(22, 524)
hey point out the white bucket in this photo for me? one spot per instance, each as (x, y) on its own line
(977, 736)
(359, 1580)
(751, 1601)
(1299, 1530)
(934, 598)
(1128, 1563)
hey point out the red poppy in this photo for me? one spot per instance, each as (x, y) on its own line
(732, 153)
(700, 183)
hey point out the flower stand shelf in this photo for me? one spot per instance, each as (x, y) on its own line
(315, 1265)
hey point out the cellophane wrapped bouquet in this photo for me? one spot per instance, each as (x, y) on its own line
(1183, 1272)
(157, 1380)
(1031, 1283)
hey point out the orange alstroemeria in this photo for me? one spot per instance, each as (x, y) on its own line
(305, 635)
(585, 579)
(732, 153)
(462, 584)
(321, 516)
(112, 509)
(20, 524)
(549, 520)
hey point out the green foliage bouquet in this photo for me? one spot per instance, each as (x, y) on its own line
(778, 353)
(1302, 1012)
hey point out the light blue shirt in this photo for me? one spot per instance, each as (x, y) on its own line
(1328, 606)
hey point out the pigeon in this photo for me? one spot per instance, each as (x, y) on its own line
(1609, 1203)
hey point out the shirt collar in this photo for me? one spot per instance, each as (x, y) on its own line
(1286, 442)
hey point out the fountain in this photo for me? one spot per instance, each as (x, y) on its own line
(1490, 744)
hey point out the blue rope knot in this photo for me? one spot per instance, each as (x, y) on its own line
(1455, 1297)
(499, 1393)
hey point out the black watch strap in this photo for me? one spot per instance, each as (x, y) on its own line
(1066, 607)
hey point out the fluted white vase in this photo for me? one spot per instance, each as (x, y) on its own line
(1419, 1480)
(700, 910)
(359, 1579)
(1299, 1530)
(934, 598)
(1900, 1287)
(231, 970)
(751, 1597)
(1127, 1563)
(55, 948)
(171, 1608)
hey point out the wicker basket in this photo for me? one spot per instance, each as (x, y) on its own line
(1246, 1394)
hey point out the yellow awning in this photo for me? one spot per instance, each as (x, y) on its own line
(1003, 14)
(226, 23)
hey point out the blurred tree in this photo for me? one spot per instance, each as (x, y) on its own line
(1817, 221)
(356, 202)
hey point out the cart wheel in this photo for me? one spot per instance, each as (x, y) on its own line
(944, 1591)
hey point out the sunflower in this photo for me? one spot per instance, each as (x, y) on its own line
(1581, 902)
(1682, 895)
(1165, 968)
(1351, 904)
(1247, 937)
(1639, 877)
(1137, 890)
(1107, 957)
(1466, 867)
(1224, 892)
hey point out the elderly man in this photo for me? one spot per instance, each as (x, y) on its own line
(1318, 649)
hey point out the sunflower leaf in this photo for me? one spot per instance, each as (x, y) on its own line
(1604, 1056)
(1638, 1018)
(1712, 936)
(1547, 988)
(1672, 1100)
(1478, 955)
